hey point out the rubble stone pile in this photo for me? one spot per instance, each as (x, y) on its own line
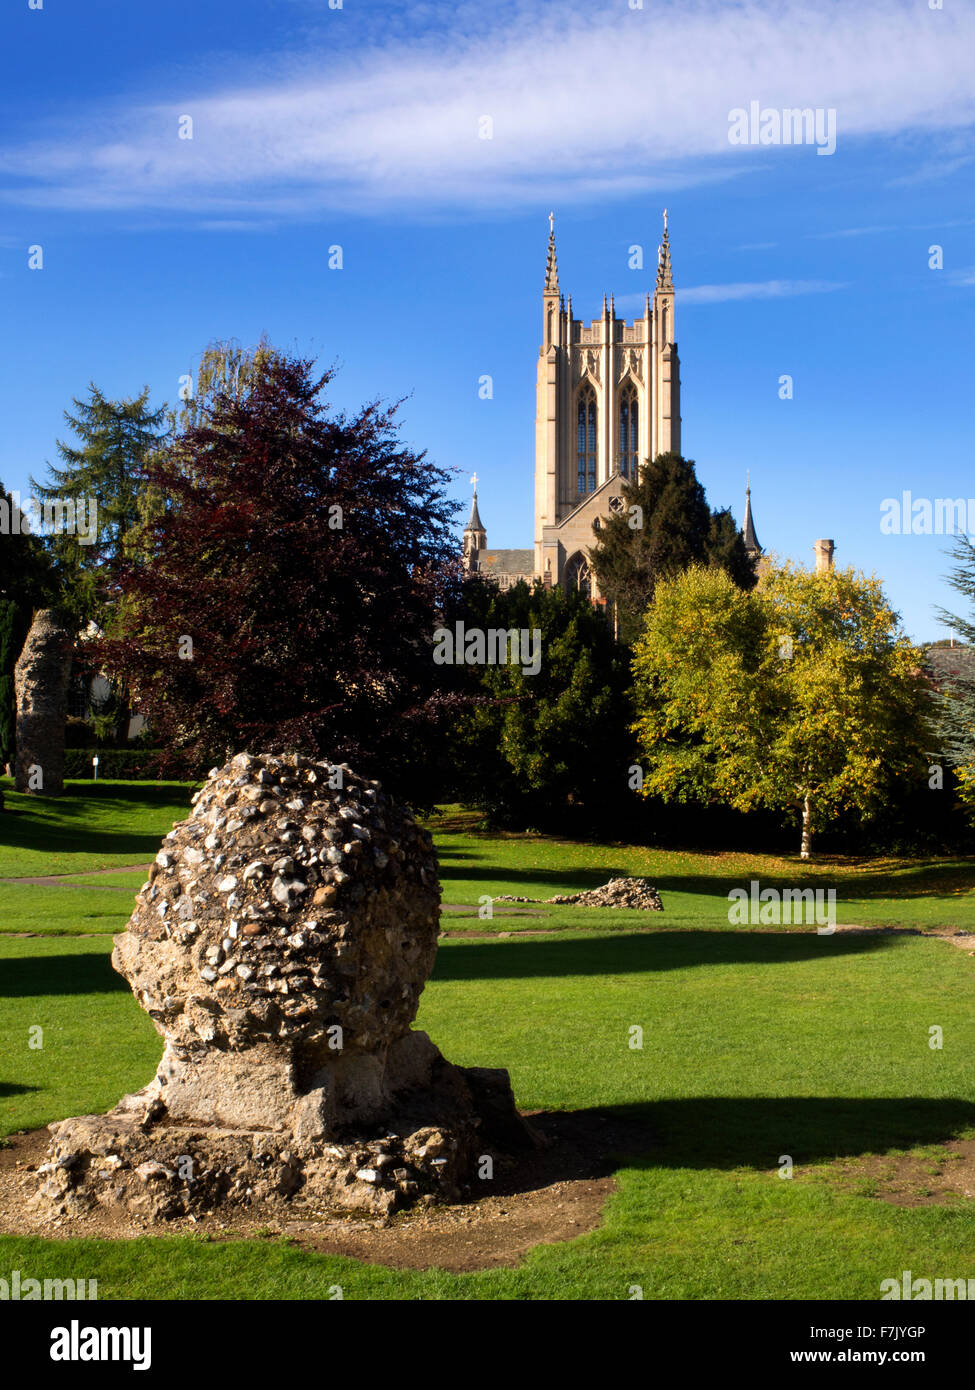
(619, 892)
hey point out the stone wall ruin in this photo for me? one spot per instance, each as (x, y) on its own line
(41, 687)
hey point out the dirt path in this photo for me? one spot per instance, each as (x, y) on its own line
(61, 880)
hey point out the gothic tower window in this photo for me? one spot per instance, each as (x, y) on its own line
(578, 575)
(629, 431)
(586, 441)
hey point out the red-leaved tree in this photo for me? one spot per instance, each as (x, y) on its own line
(286, 591)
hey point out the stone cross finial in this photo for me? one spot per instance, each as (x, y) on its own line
(474, 480)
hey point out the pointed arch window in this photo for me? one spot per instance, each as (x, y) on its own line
(629, 431)
(578, 574)
(586, 440)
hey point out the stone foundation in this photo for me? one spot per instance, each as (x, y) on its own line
(139, 1158)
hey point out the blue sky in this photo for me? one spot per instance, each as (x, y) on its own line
(359, 127)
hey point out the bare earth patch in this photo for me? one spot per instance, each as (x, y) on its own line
(940, 1176)
(552, 1195)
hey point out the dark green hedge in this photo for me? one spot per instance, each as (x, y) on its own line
(129, 764)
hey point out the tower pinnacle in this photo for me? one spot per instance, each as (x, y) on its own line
(551, 267)
(665, 275)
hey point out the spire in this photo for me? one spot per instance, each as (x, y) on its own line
(551, 267)
(748, 529)
(475, 536)
(665, 275)
(475, 521)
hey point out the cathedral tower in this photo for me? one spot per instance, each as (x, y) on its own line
(608, 398)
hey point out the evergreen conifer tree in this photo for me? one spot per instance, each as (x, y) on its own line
(664, 526)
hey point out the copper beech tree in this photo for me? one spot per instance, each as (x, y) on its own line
(801, 695)
(285, 593)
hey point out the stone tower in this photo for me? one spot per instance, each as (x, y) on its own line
(608, 398)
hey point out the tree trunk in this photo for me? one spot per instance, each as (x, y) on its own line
(805, 851)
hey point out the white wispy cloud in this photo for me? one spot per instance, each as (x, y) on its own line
(584, 103)
(756, 289)
(852, 232)
(741, 289)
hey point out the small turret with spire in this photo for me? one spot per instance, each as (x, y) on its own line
(475, 536)
(748, 529)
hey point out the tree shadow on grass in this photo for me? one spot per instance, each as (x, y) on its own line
(726, 1133)
(925, 879)
(24, 977)
(757, 1132)
(539, 883)
(63, 825)
(13, 1088)
(635, 953)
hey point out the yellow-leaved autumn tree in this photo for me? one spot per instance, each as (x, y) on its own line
(802, 694)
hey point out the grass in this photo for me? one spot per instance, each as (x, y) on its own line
(94, 826)
(756, 1045)
(694, 886)
(115, 825)
(63, 912)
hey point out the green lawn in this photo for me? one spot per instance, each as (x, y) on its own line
(94, 826)
(112, 825)
(756, 1044)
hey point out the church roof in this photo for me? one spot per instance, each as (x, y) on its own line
(506, 562)
(748, 530)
